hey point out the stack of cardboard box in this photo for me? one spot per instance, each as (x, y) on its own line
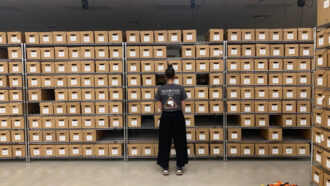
(321, 114)
(269, 72)
(12, 134)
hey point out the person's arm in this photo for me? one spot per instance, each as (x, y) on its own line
(183, 105)
(158, 100)
(184, 98)
(159, 105)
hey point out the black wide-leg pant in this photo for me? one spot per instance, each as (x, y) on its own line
(172, 126)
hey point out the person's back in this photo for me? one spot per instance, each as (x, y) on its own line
(171, 96)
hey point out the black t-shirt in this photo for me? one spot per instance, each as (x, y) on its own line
(171, 96)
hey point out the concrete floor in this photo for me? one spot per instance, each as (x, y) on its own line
(146, 173)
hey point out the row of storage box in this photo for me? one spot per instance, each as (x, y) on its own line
(321, 117)
(157, 36)
(12, 151)
(73, 122)
(16, 136)
(99, 150)
(69, 81)
(49, 108)
(65, 135)
(322, 157)
(273, 149)
(321, 137)
(322, 58)
(280, 120)
(271, 134)
(320, 176)
(322, 37)
(264, 50)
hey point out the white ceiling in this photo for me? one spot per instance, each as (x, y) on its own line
(43, 15)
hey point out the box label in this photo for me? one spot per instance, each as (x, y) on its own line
(161, 38)
(217, 52)
(3, 138)
(275, 151)
(18, 153)
(201, 109)
(201, 151)
(174, 38)
(145, 53)
(189, 136)
(318, 158)
(216, 136)
(275, 136)
(276, 52)
(134, 151)
(36, 152)
(187, 109)
(189, 37)
(248, 52)
(216, 151)
(234, 135)
(247, 122)
(289, 108)
(247, 109)
(233, 151)
(292, 51)
(261, 108)
(62, 138)
(303, 122)
(247, 66)
(261, 152)
(234, 51)
(262, 123)
(303, 109)
(233, 37)
(101, 109)
(202, 52)
(319, 61)
(306, 52)
(247, 152)
(288, 122)
(246, 81)
(262, 51)
(319, 81)
(247, 36)
(115, 54)
(102, 54)
(326, 4)
(274, 107)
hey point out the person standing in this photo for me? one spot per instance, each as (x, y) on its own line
(170, 99)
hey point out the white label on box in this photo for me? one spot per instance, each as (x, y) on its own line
(262, 123)
(74, 96)
(233, 66)
(288, 122)
(247, 122)
(147, 109)
(14, 39)
(88, 110)
(72, 110)
(59, 110)
(202, 136)
(75, 151)
(247, 94)
(274, 107)
(326, 4)
(247, 66)
(47, 54)
(59, 38)
(2, 69)
(247, 109)
(145, 53)
(328, 164)
(102, 67)
(233, 37)
(86, 39)
(188, 122)
(134, 151)
(275, 151)
(176, 81)
(247, 151)
(114, 82)
(246, 81)
(5, 152)
(216, 37)
(4, 124)
(87, 82)
(100, 82)
(31, 40)
(148, 82)
(101, 109)
(15, 68)
(161, 38)
(45, 39)
(147, 67)
(234, 51)
(61, 68)
(216, 66)
(289, 108)
(289, 66)
(247, 36)
(290, 36)
(202, 66)
(292, 51)
(201, 109)
(2, 97)
(318, 139)
(289, 94)
(260, 81)
(115, 123)
(306, 52)
(174, 38)
(303, 122)
(262, 52)
(233, 94)
(88, 123)
(116, 38)
(17, 137)
(2, 110)
(134, 122)
(36, 152)
(188, 53)
(233, 108)
(87, 68)
(319, 81)
(289, 80)
(187, 109)
(115, 151)
(17, 123)
(304, 36)
(233, 150)
(288, 151)
(18, 153)
(216, 136)
(303, 109)
(201, 94)
(115, 95)
(261, 108)
(216, 151)
(15, 110)
(73, 38)
(234, 135)
(61, 151)
(215, 95)
(134, 95)
(3, 138)
(14, 55)
(89, 138)
(216, 108)
(321, 41)
(159, 53)
(303, 66)
(115, 54)
(134, 109)
(188, 66)
(76, 137)
(75, 54)
(45, 111)
(189, 81)
(217, 52)
(62, 138)
(74, 68)
(33, 54)
(276, 52)
(101, 54)
(302, 151)
(318, 158)
(101, 123)
(202, 52)
(320, 61)
(88, 96)
(34, 82)
(189, 136)
(262, 36)
(175, 66)
(261, 94)
(248, 52)
(201, 151)
(318, 119)
(49, 138)
(275, 136)
(35, 138)
(101, 38)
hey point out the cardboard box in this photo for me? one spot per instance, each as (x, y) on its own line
(87, 81)
(147, 94)
(289, 106)
(323, 13)
(75, 53)
(76, 136)
(88, 108)
(73, 108)
(148, 80)
(47, 122)
(148, 149)
(116, 93)
(272, 134)
(133, 94)
(247, 120)
(234, 50)
(4, 110)
(101, 52)
(234, 134)
(115, 36)
(116, 121)
(75, 150)
(61, 150)
(326, 178)
(247, 149)
(132, 37)
(134, 52)
(4, 95)
(262, 120)
(3, 38)
(5, 123)
(134, 107)
(101, 94)
(147, 66)
(147, 107)
(189, 35)
(32, 67)
(88, 94)
(178, 79)
(101, 107)
(189, 119)
(49, 136)
(191, 135)
(62, 136)
(304, 93)
(14, 53)
(201, 93)
(47, 53)
(159, 52)
(262, 35)
(303, 149)
(190, 93)
(290, 34)
(233, 106)
(215, 93)
(59, 108)
(101, 150)
(261, 149)
(34, 81)
(291, 50)
(306, 49)
(305, 34)
(134, 80)
(216, 50)
(202, 134)
(46, 108)
(15, 67)
(275, 79)
(35, 136)
(134, 150)
(59, 37)
(261, 93)
(317, 117)
(33, 53)
(303, 64)
(30, 38)
(18, 151)
(188, 65)
(17, 122)
(317, 155)
(116, 52)
(202, 149)
(289, 64)
(101, 36)
(61, 67)
(17, 136)
(116, 150)
(287, 120)
(233, 149)
(216, 65)
(275, 92)
(202, 51)
(87, 122)
(73, 81)
(289, 150)
(87, 52)
(5, 137)
(73, 37)
(276, 64)
(47, 67)
(188, 51)
(233, 65)
(147, 36)
(160, 36)
(15, 37)
(304, 78)
(317, 175)
(248, 35)
(35, 150)
(101, 122)
(262, 50)
(190, 107)
(248, 50)
(275, 149)
(234, 34)
(216, 134)
(261, 79)
(216, 79)
(320, 78)
(318, 136)
(92, 135)
(303, 106)
(4, 67)
(74, 67)
(46, 37)
(289, 93)
(202, 106)
(48, 150)
(247, 79)
(174, 35)
(46, 81)
(216, 149)
(100, 80)
(86, 37)
(321, 58)
(103, 66)
(247, 106)
(116, 107)
(276, 50)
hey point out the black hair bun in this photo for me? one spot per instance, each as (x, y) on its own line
(170, 66)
